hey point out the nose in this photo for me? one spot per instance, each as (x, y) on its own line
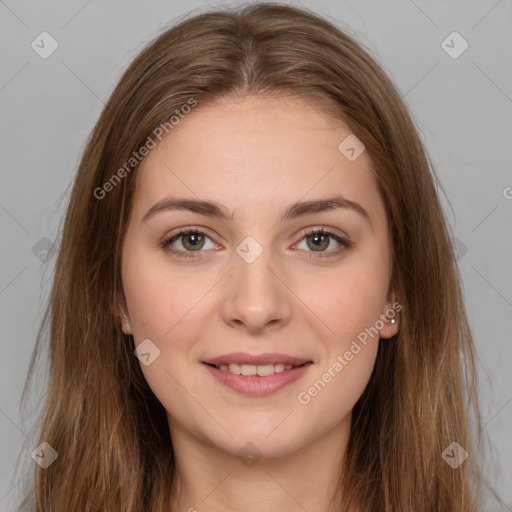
(256, 298)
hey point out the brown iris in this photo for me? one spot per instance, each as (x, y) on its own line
(320, 241)
(196, 241)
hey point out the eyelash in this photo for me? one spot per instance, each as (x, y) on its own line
(166, 244)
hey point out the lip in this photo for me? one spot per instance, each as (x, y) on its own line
(256, 359)
(254, 385)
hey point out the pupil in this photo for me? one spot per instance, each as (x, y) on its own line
(194, 238)
(317, 238)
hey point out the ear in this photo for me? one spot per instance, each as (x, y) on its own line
(390, 317)
(126, 326)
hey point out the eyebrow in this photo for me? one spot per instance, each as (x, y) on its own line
(217, 210)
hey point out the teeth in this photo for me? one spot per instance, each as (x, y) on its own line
(248, 369)
(262, 370)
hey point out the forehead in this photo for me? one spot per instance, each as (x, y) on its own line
(256, 151)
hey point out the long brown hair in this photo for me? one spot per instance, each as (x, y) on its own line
(110, 431)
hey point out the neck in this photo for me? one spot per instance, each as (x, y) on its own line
(209, 478)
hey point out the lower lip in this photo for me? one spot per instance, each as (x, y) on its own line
(255, 385)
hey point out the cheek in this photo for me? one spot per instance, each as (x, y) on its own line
(148, 303)
(347, 306)
(346, 302)
(165, 308)
(158, 299)
(350, 305)
(333, 392)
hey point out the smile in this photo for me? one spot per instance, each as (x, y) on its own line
(257, 380)
(262, 370)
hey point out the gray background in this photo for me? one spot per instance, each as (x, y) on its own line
(462, 107)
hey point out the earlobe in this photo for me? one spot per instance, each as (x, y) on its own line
(125, 324)
(390, 319)
(390, 327)
(125, 321)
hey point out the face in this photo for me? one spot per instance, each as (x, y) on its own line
(267, 272)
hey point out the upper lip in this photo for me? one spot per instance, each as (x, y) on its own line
(256, 359)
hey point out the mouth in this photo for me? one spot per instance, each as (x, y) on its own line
(250, 370)
(256, 375)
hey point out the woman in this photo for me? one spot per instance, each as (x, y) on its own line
(256, 303)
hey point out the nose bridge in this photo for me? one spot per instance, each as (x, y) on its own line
(254, 286)
(256, 297)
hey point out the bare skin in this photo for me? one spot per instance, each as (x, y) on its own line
(305, 295)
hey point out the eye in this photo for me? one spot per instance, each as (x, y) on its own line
(193, 240)
(318, 240)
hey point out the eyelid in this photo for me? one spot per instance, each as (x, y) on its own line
(324, 229)
(168, 239)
